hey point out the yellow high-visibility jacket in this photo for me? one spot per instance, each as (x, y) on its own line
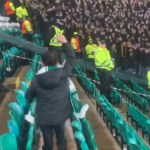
(148, 78)
(21, 12)
(103, 59)
(90, 50)
(26, 26)
(53, 40)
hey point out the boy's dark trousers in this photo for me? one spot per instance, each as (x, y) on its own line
(48, 132)
(105, 82)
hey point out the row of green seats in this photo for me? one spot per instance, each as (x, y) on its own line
(36, 63)
(2, 73)
(37, 38)
(35, 66)
(14, 139)
(119, 127)
(89, 86)
(76, 124)
(25, 105)
(15, 126)
(137, 100)
(29, 75)
(141, 121)
(138, 118)
(137, 88)
(116, 98)
(10, 60)
(82, 127)
(11, 31)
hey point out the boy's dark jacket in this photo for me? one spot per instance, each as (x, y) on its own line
(51, 90)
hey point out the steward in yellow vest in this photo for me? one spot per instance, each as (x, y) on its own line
(26, 26)
(148, 78)
(90, 49)
(104, 65)
(21, 12)
(10, 10)
(51, 37)
(103, 59)
(53, 40)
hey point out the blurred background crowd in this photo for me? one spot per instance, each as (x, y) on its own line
(123, 24)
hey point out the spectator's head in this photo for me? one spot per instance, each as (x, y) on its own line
(50, 58)
(103, 43)
(90, 41)
(75, 34)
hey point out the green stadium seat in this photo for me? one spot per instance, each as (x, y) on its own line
(116, 97)
(81, 140)
(29, 75)
(29, 145)
(89, 134)
(21, 100)
(24, 86)
(17, 117)
(16, 107)
(134, 147)
(127, 136)
(14, 129)
(76, 124)
(115, 120)
(8, 142)
(76, 104)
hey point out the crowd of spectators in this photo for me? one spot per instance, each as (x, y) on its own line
(123, 24)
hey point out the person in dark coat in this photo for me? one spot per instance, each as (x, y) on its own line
(50, 87)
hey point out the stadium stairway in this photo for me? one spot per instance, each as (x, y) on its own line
(9, 97)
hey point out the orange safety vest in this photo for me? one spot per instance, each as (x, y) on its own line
(8, 8)
(76, 44)
(24, 29)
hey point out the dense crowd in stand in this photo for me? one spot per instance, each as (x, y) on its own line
(123, 24)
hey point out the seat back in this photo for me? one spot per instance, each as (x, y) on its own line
(8, 142)
(14, 128)
(134, 147)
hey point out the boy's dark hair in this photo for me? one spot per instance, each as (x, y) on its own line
(50, 58)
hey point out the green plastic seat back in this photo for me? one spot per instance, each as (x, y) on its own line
(29, 145)
(13, 128)
(135, 147)
(8, 142)
(16, 107)
(79, 135)
(76, 124)
(84, 146)
(17, 117)
(89, 134)
(22, 102)
(87, 129)
(81, 140)
(21, 92)
(76, 104)
(24, 86)
(33, 107)
(123, 129)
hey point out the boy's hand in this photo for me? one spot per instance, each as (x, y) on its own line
(62, 39)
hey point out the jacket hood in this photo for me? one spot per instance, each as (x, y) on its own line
(49, 77)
